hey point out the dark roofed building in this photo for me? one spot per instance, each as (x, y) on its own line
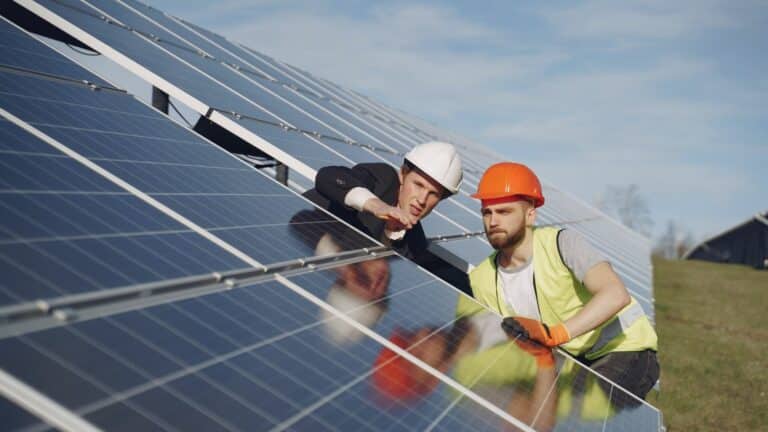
(746, 243)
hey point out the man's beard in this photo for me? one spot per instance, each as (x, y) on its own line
(508, 240)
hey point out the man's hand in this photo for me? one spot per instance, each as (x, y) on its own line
(397, 219)
(536, 331)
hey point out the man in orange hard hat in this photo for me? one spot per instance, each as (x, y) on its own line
(556, 289)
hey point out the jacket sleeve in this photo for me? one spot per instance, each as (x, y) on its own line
(334, 182)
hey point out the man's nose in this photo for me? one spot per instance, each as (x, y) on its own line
(422, 197)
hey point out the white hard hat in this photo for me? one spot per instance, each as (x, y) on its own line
(440, 161)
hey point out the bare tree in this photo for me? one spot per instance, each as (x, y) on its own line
(674, 242)
(627, 205)
(665, 245)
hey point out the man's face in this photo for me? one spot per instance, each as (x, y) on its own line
(505, 222)
(418, 195)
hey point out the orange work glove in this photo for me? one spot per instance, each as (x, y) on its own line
(543, 355)
(537, 331)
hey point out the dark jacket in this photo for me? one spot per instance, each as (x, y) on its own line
(331, 186)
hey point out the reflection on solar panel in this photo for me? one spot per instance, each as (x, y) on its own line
(155, 282)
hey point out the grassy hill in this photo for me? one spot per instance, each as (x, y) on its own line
(712, 321)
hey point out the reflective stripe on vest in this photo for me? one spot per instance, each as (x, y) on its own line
(617, 327)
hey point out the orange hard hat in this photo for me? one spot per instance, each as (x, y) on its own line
(507, 179)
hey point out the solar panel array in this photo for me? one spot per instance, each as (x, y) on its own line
(307, 122)
(152, 281)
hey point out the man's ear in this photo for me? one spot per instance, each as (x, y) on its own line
(530, 215)
(401, 173)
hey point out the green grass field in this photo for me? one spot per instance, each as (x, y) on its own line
(712, 321)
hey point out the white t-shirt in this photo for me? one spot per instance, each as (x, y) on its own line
(517, 284)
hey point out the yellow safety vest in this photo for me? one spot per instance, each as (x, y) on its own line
(560, 295)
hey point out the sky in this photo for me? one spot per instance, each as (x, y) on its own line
(669, 96)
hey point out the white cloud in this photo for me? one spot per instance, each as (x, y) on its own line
(415, 24)
(401, 54)
(643, 19)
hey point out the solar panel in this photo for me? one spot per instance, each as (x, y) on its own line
(66, 230)
(207, 185)
(232, 95)
(301, 347)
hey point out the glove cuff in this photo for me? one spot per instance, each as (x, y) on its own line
(560, 334)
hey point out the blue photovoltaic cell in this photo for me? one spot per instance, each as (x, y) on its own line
(246, 359)
(468, 218)
(18, 50)
(67, 230)
(436, 226)
(200, 181)
(474, 250)
(293, 143)
(465, 214)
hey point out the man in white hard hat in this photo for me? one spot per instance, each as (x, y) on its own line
(388, 204)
